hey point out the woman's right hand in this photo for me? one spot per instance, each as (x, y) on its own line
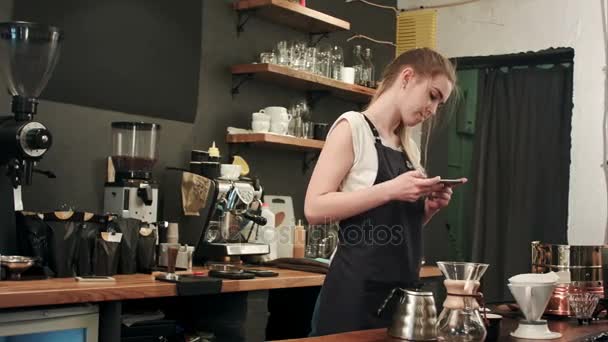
(412, 185)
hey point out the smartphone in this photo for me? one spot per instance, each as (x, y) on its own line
(451, 181)
(95, 279)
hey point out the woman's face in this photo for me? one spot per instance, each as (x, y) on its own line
(420, 96)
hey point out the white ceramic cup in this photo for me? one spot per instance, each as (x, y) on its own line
(260, 126)
(348, 75)
(279, 127)
(260, 117)
(277, 114)
(230, 171)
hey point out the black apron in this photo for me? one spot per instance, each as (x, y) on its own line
(379, 249)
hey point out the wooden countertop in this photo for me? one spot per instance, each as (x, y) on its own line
(136, 286)
(569, 328)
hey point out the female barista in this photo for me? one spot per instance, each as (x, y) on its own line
(369, 178)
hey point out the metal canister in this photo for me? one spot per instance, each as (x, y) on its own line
(580, 268)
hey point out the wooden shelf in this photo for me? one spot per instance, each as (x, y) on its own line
(293, 15)
(305, 81)
(292, 143)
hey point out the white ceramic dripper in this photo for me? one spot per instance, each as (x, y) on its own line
(533, 298)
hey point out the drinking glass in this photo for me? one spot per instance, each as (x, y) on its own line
(298, 55)
(268, 57)
(282, 52)
(323, 66)
(311, 59)
(337, 62)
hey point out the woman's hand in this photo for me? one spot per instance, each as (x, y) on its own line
(439, 199)
(412, 185)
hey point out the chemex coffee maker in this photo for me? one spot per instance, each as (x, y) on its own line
(28, 55)
(133, 193)
(213, 210)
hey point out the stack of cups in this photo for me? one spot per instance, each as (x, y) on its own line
(260, 122)
(279, 119)
(173, 233)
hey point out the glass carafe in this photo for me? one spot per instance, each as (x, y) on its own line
(460, 319)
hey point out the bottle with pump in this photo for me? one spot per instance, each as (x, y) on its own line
(299, 244)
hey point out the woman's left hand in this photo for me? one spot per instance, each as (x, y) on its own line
(438, 199)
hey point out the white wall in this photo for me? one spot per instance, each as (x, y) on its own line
(493, 27)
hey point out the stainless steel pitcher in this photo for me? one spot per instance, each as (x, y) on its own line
(415, 315)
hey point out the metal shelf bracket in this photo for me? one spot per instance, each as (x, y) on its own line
(309, 160)
(240, 80)
(313, 96)
(242, 19)
(315, 38)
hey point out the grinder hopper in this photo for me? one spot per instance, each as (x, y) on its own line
(28, 55)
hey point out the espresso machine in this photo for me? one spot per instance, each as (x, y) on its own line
(216, 228)
(28, 55)
(132, 193)
(237, 209)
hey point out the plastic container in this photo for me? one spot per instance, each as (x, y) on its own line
(134, 148)
(268, 233)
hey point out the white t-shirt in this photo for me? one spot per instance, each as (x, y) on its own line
(365, 164)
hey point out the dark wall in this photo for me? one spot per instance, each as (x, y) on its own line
(82, 134)
(436, 241)
(280, 170)
(136, 56)
(81, 143)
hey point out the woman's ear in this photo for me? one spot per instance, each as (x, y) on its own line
(406, 76)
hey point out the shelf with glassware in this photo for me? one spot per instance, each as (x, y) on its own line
(290, 14)
(281, 127)
(276, 140)
(303, 80)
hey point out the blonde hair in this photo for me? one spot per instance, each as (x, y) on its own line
(425, 62)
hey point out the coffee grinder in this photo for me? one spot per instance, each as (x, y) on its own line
(133, 193)
(28, 55)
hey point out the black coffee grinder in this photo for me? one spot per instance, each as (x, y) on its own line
(28, 55)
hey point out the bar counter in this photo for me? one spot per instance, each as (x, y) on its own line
(570, 329)
(27, 293)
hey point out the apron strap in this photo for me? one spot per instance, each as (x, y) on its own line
(372, 127)
(408, 163)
